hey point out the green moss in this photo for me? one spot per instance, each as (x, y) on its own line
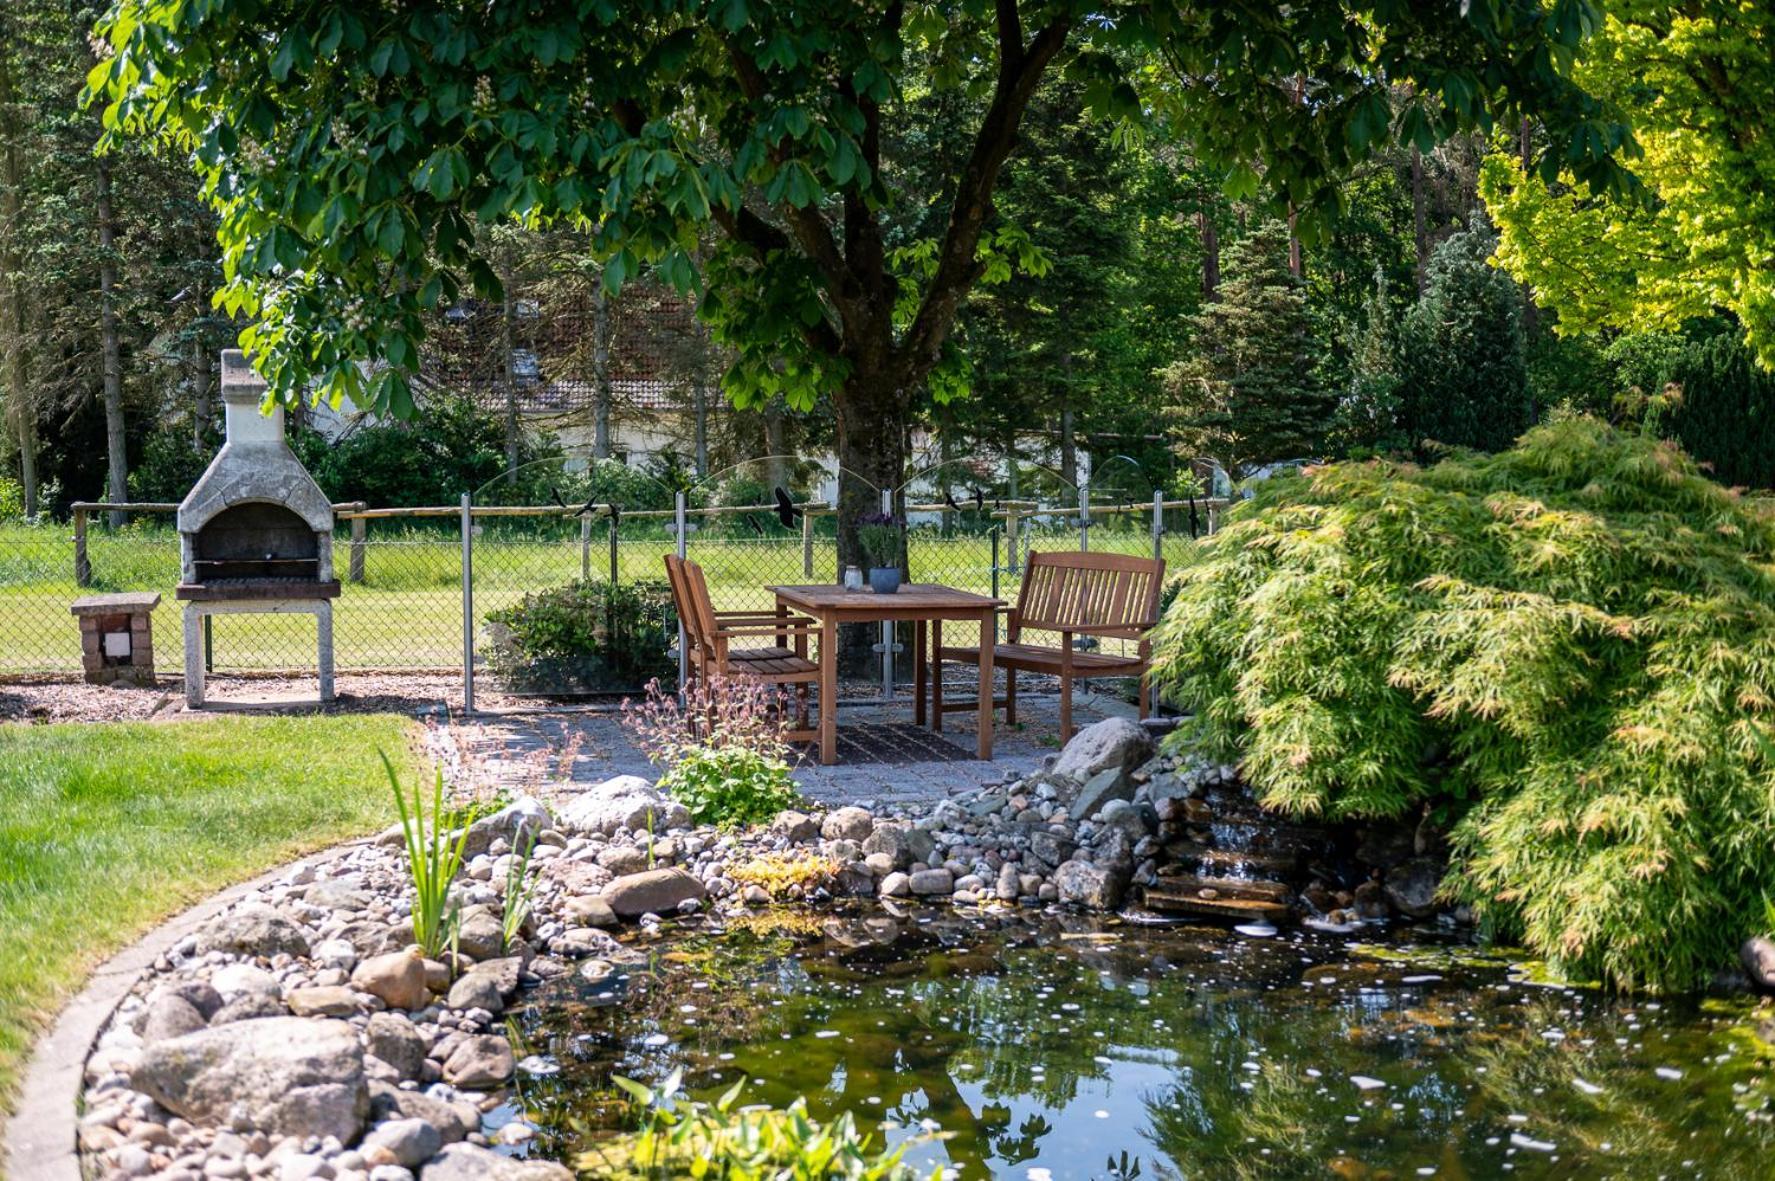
(1566, 651)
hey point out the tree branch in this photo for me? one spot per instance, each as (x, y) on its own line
(957, 265)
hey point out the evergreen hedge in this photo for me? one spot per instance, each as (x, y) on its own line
(1564, 651)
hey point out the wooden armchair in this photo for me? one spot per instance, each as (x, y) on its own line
(716, 642)
(1108, 596)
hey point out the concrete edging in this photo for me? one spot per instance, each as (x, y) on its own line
(41, 1141)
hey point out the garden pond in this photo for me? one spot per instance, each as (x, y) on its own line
(1057, 1047)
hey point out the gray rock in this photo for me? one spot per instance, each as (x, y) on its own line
(169, 1015)
(322, 1001)
(454, 1120)
(902, 842)
(337, 895)
(398, 1042)
(794, 826)
(1112, 743)
(849, 823)
(476, 991)
(1106, 786)
(657, 891)
(627, 801)
(411, 1141)
(521, 820)
(374, 938)
(284, 1076)
(1129, 818)
(253, 930)
(622, 859)
(895, 885)
(468, 1162)
(481, 934)
(479, 1063)
(250, 1006)
(1411, 887)
(505, 974)
(199, 994)
(1099, 887)
(1758, 957)
(1050, 848)
(931, 881)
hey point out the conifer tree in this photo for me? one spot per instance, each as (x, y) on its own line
(1251, 392)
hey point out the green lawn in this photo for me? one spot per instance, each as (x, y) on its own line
(106, 829)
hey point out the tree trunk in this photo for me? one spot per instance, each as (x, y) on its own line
(699, 408)
(1210, 256)
(1296, 264)
(776, 472)
(871, 410)
(507, 347)
(116, 441)
(1069, 452)
(197, 369)
(1420, 231)
(1531, 315)
(600, 372)
(20, 407)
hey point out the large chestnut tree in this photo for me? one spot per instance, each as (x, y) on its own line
(354, 149)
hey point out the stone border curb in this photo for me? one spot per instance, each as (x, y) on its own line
(41, 1142)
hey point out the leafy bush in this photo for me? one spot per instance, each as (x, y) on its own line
(170, 465)
(723, 749)
(12, 499)
(680, 1137)
(586, 637)
(1566, 651)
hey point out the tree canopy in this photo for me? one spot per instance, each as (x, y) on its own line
(1698, 81)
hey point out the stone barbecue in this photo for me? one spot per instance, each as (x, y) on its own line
(255, 532)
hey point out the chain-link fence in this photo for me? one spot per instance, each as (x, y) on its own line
(547, 581)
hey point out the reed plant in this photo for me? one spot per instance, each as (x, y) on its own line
(434, 858)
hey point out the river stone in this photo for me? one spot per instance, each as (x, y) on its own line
(589, 911)
(338, 895)
(1758, 957)
(849, 823)
(655, 891)
(895, 885)
(1112, 743)
(1097, 886)
(253, 930)
(479, 1063)
(284, 1076)
(330, 1000)
(476, 991)
(901, 842)
(398, 979)
(622, 859)
(1105, 787)
(1050, 848)
(454, 1120)
(480, 935)
(1411, 887)
(931, 881)
(794, 826)
(469, 1162)
(410, 1142)
(169, 1015)
(626, 801)
(397, 1041)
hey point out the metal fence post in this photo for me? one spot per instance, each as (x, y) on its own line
(82, 567)
(585, 549)
(678, 515)
(1011, 537)
(994, 534)
(468, 606)
(612, 518)
(807, 542)
(1158, 524)
(887, 628)
(1084, 517)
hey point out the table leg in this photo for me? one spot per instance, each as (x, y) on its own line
(918, 675)
(937, 675)
(988, 628)
(828, 689)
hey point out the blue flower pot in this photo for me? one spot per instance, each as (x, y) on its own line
(884, 580)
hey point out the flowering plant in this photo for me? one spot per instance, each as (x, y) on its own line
(879, 536)
(723, 749)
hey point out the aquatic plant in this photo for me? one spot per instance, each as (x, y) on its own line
(1564, 651)
(785, 873)
(434, 857)
(681, 1137)
(520, 888)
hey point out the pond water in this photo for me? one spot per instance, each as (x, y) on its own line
(1047, 1047)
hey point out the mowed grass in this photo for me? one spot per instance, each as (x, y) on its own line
(106, 829)
(407, 611)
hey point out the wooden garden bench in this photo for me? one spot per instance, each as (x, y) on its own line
(716, 642)
(1105, 596)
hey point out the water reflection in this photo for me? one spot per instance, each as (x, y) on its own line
(1059, 1043)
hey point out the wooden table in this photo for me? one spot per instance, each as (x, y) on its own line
(918, 602)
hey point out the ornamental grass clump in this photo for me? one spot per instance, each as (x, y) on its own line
(1565, 652)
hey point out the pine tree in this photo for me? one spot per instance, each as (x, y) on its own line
(1251, 392)
(1463, 367)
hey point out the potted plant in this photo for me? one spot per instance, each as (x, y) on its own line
(879, 536)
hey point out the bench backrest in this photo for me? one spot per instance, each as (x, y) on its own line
(1108, 594)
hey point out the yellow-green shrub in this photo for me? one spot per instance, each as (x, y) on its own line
(1566, 649)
